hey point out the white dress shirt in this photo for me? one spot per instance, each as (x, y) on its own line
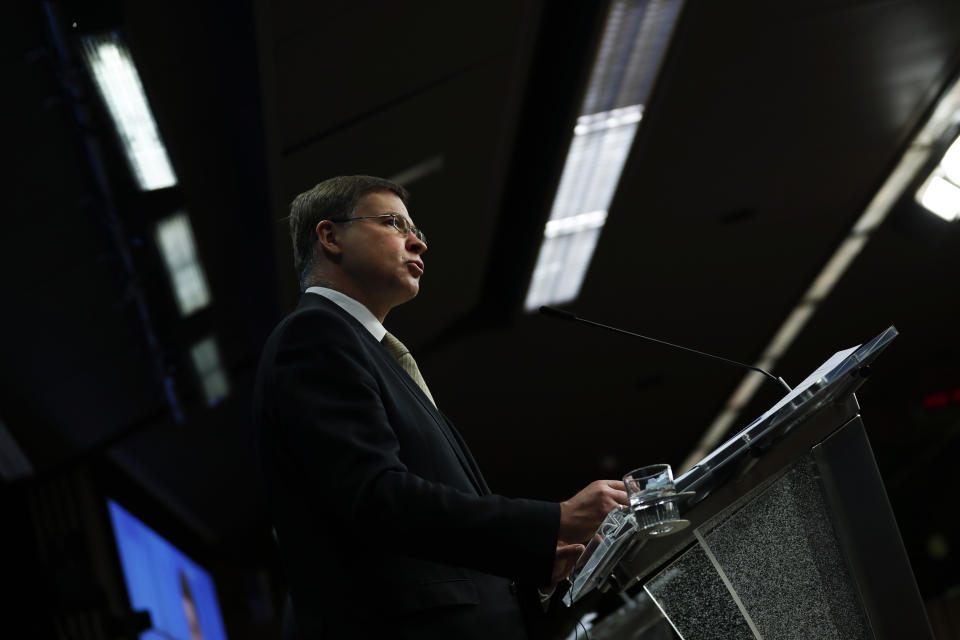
(363, 315)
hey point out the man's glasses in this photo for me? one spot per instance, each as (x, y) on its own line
(397, 221)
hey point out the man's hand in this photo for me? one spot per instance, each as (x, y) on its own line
(564, 561)
(581, 515)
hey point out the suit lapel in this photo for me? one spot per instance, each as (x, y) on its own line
(473, 467)
(456, 443)
(453, 438)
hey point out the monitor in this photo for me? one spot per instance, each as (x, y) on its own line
(178, 592)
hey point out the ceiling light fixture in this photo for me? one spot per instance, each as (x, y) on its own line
(206, 360)
(175, 240)
(634, 40)
(940, 192)
(118, 83)
(418, 171)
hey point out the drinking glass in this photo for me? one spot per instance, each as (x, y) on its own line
(648, 484)
(653, 499)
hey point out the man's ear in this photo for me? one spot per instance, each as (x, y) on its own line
(328, 239)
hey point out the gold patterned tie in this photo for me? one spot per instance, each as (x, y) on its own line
(402, 355)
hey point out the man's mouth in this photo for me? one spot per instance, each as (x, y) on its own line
(415, 267)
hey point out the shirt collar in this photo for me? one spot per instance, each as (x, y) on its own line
(354, 308)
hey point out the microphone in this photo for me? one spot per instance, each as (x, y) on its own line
(566, 315)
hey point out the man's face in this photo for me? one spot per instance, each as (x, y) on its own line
(384, 265)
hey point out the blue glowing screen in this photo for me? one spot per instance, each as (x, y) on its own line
(178, 593)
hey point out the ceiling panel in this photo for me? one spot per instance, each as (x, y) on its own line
(400, 54)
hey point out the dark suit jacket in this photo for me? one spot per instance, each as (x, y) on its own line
(386, 526)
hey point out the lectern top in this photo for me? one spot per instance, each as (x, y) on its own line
(840, 375)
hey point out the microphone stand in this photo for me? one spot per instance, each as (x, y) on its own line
(566, 315)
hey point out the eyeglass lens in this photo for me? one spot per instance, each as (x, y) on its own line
(404, 227)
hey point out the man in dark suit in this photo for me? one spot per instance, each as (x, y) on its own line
(385, 523)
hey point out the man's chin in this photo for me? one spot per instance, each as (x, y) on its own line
(413, 286)
(410, 291)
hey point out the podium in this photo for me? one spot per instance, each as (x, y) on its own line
(791, 533)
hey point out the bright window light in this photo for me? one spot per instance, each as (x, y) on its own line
(634, 39)
(951, 162)
(589, 179)
(175, 239)
(575, 224)
(206, 360)
(119, 85)
(940, 196)
(940, 192)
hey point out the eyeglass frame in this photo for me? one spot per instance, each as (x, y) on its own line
(407, 227)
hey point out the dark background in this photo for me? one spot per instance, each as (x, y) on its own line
(769, 130)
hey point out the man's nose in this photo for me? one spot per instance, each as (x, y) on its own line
(415, 244)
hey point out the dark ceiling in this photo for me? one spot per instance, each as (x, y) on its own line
(769, 130)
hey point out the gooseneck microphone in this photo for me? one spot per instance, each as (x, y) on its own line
(566, 315)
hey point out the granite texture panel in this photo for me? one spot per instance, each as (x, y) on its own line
(781, 556)
(692, 595)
